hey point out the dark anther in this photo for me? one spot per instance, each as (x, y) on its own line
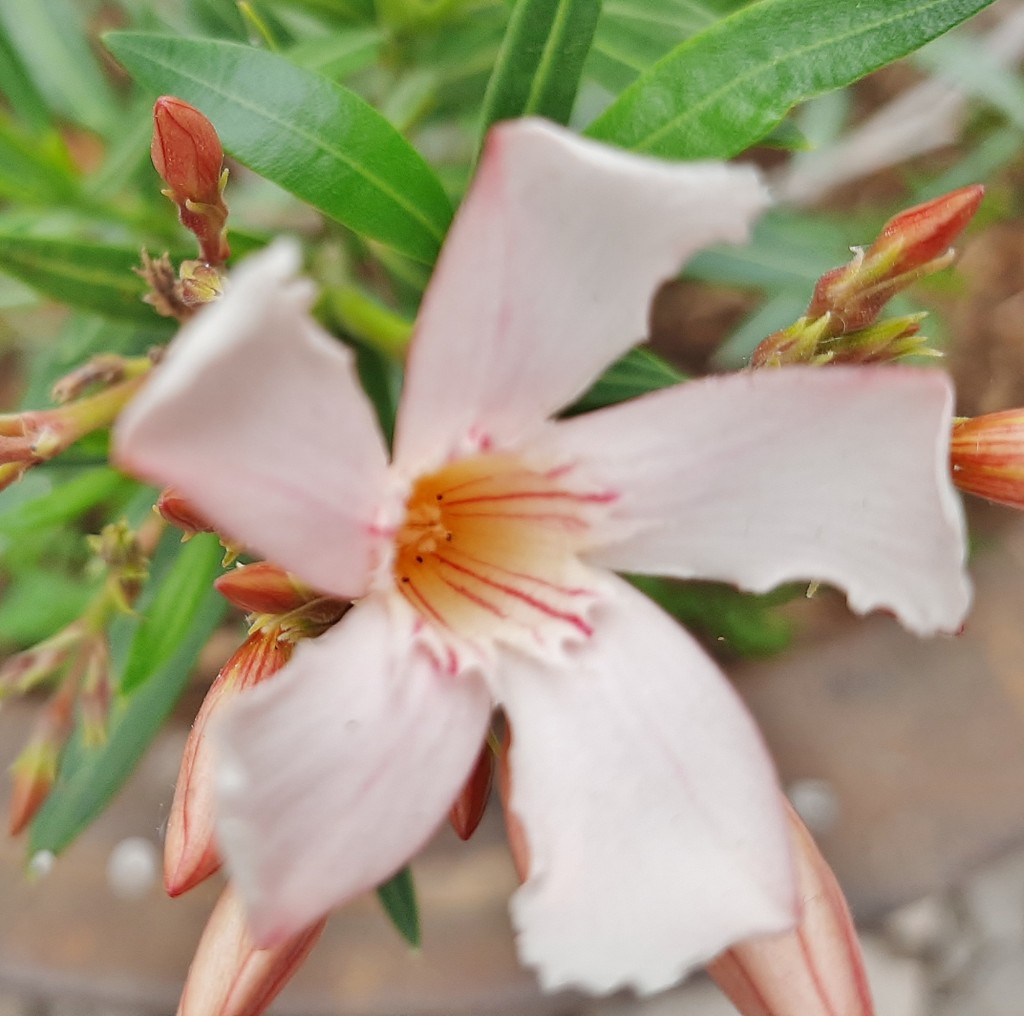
(419, 560)
(405, 578)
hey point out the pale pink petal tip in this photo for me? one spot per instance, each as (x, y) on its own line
(229, 976)
(816, 969)
(335, 773)
(836, 475)
(681, 851)
(564, 242)
(256, 416)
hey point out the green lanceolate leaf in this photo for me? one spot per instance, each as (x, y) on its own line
(727, 87)
(638, 372)
(541, 60)
(94, 277)
(52, 44)
(307, 134)
(633, 34)
(65, 502)
(166, 621)
(89, 777)
(398, 897)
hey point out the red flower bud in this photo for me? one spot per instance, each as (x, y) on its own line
(186, 152)
(926, 231)
(229, 976)
(470, 805)
(173, 508)
(188, 156)
(190, 851)
(264, 588)
(987, 456)
(911, 245)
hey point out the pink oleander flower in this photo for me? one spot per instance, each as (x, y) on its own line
(481, 561)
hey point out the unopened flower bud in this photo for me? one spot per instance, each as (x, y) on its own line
(190, 851)
(914, 238)
(987, 456)
(186, 151)
(11, 472)
(470, 805)
(817, 967)
(189, 158)
(229, 976)
(34, 771)
(175, 509)
(912, 244)
(264, 588)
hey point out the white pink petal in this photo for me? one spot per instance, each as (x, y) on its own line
(653, 824)
(335, 773)
(838, 475)
(258, 419)
(546, 278)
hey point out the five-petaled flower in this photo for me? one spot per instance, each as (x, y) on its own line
(482, 561)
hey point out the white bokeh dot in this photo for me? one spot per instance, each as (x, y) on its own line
(133, 867)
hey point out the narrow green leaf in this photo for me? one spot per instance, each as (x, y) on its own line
(541, 60)
(18, 89)
(638, 372)
(94, 277)
(165, 624)
(343, 10)
(40, 602)
(745, 623)
(65, 502)
(51, 38)
(398, 897)
(34, 168)
(89, 777)
(633, 34)
(724, 89)
(307, 134)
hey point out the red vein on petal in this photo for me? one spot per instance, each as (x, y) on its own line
(520, 576)
(409, 587)
(521, 495)
(518, 594)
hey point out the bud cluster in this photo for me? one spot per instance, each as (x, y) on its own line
(841, 322)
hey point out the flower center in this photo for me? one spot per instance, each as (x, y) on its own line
(489, 549)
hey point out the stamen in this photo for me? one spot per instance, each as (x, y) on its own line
(488, 549)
